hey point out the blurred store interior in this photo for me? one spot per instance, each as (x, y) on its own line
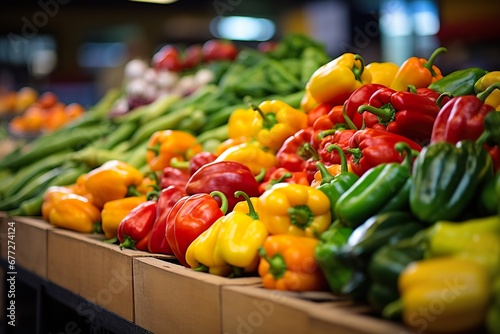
(78, 48)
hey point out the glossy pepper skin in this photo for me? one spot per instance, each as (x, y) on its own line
(371, 147)
(238, 123)
(165, 145)
(404, 113)
(189, 217)
(75, 213)
(171, 176)
(51, 196)
(275, 121)
(382, 73)
(287, 263)
(321, 109)
(359, 97)
(226, 177)
(135, 229)
(333, 82)
(424, 282)
(295, 209)
(114, 211)
(283, 175)
(368, 195)
(340, 138)
(251, 154)
(335, 186)
(166, 199)
(112, 180)
(328, 124)
(486, 81)
(460, 82)
(293, 154)
(445, 177)
(418, 72)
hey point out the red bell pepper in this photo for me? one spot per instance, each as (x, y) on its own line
(283, 175)
(340, 138)
(371, 147)
(359, 97)
(189, 217)
(404, 113)
(226, 177)
(166, 200)
(318, 111)
(329, 124)
(135, 229)
(198, 160)
(293, 153)
(172, 176)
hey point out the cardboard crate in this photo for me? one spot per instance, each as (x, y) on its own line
(29, 242)
(170, 298)
(99, 272)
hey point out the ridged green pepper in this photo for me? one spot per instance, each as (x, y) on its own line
(445, 179)
(460, 82)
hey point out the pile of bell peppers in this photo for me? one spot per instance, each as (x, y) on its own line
(381, 187)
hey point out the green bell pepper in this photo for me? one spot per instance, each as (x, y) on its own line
(460, 82)
(446, 178)
(334, 186)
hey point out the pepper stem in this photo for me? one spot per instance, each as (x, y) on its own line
(259, 177)
(155, 149)
(179, 164)
(311, 151)
(97, 228)
(484, 95)
(282, 178)
(223, 199)
(347, 120)
(393, 310)
(356, 154)
(358, 71)
(439, 100)
(277, 264)
(268, 120)
(385, 114)
(430, 62)
(132, 191)
(326, 177)
(301, 216)
(251, 210)
(412, 89)
(491, 133)
(404, 147)
(343, 160)
(201, 268)
(128, 242)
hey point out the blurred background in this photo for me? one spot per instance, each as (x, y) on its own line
(77, 48)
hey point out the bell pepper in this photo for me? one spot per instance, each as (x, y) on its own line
(189, 217)
(238, 123)
(295, 209)
(135, 229)
(368, 195)
(287, 262)
(486, 81)
(79, 188)
(418, 72)
(307, 103)
(166, 199)
(442, 295)
(492, 319)
(359, 97)
(164, 145)
(382, 73)
(333, 82)
(327, 124)
(445, 178)
(293, 154)
(193, 164)
(371, 147)
(335, 186)
(321, 109)
(114, 211)
(112, 180)
(340, 138)
(404, 113)
(251, 154)
(275, 121)
(283, 175)
(226, 177)
(330, 243)
(230, 142)
(172, 176)
(460, 82)
(51, 196)
(75, 213)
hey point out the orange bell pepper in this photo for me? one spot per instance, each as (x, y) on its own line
(418, 72)
(112, 180)
(230, 142)
(114, 211)
(51, 196)
(75, 213)
(287, 263)
(165, 145)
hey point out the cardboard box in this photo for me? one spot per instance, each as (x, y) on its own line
(170, 298)
(99, 272)
(29, 237)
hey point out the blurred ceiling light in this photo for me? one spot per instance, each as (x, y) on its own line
(242, 28)
(395, 19)
(426, 18)
(161, 2)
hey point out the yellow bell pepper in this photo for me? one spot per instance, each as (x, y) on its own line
(295, 209)
(487, 80)
(307, 103)
(230, 142)
(382, 73)
(238, 123)
(275, 121)
(114, 211)
(76, 213)
(251, 154)
(51, 196)
(442, 295)
(112, 180)
(334, 82)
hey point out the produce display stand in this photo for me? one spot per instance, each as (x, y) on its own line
(86, 283)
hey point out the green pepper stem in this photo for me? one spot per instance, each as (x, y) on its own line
(311, 151)
(326, 177)
(347, 120)
(155, 149)
(393, 310)
(268, 120)
(358, 71)
(283, 177)
(385, 114)
(111, 241)
(356, 154)
(404, 147)
(325, 133)
(237, 272)
(97, 228)
(223, 198)
(491, 134)
(412, 89)
(201, 268)
(128, 242)
(277, 264)
(132, 191)
(484, 95)
(343, 160)
(301, 216)
(439, 100)
(152, 195)
(179, 164)
(259, 177)
(251, 209)
(154, 176)
(430, 62)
